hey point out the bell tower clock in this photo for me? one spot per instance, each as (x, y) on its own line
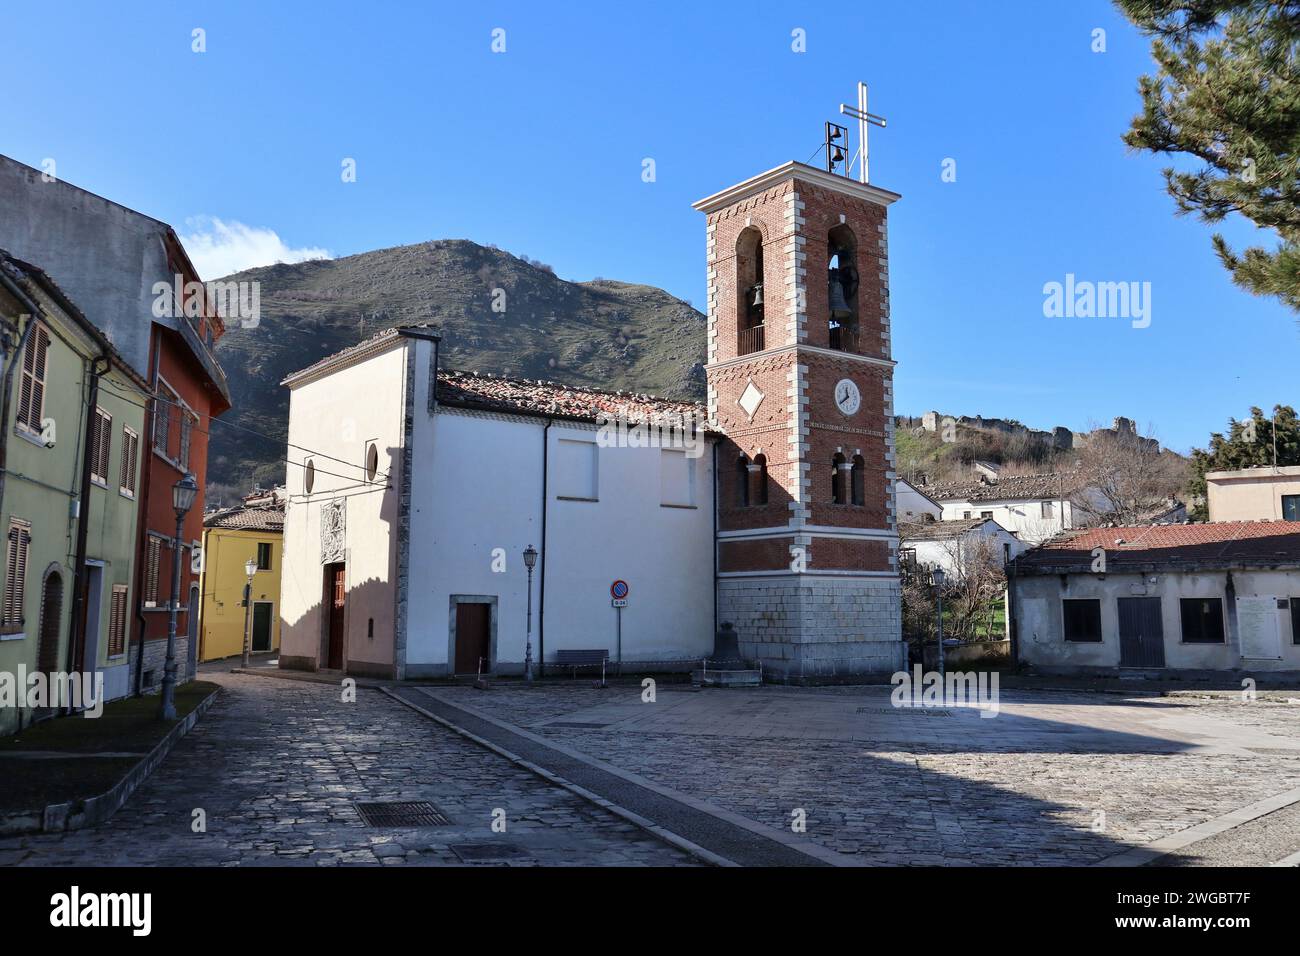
(800, 381)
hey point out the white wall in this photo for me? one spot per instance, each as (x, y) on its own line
(477, 486)
(1038, 611)
(910, 505)
(945, 554)
(339, 416)
(1022, 518)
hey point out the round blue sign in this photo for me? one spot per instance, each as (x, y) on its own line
(618, 590)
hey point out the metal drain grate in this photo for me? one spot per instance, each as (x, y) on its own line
(490, 852)
(576, 725)
(923, 711)
(418, 813)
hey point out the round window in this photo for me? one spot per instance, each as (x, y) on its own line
(372, 462)
(309, 476)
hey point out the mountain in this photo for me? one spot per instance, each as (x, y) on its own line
(601, 334)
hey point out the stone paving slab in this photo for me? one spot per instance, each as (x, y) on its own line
(1054, 779)
(277, 765)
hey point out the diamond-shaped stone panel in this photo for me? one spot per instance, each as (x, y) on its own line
(750, 399)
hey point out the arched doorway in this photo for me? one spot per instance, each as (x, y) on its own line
(47, 653)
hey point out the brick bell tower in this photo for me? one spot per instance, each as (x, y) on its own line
(800, 379)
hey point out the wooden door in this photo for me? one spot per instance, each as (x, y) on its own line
(336, 594)
(1141, 632)
(261, 626)
(473, 638)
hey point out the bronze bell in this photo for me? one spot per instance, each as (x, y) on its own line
(838, 302)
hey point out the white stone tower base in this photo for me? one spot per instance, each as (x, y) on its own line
(816, 627)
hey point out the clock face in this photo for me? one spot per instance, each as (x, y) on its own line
(847, 396)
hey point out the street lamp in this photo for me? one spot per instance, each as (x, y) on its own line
(937, 578)
(183, 494)
(250, 568)
(530, 561)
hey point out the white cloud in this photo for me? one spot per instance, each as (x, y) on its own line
(218, 248)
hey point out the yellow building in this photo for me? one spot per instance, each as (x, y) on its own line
(253, 531)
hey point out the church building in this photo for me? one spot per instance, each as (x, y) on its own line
(441, 522)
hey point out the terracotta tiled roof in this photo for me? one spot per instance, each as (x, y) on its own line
(526, 396)
(469, 390)
(1170, 547)
(1006, 489)
(241, 518)
(939, 530)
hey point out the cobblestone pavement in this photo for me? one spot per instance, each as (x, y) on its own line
(1055, 778)
(276, 766)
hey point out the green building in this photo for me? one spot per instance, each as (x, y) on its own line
(66, 398)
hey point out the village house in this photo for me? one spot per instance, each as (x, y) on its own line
(1032, 507)
(408, 522)
(71, 417)
(112, 261)
(912, 504)
(955, 545)
(234, 539)
(1264, 493)
(1220, 597)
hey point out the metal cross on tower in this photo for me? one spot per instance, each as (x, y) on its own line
(864, 119)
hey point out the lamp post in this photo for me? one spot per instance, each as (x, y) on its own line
(530, 561)
(250, 568)
(937, 577)
(183, 494)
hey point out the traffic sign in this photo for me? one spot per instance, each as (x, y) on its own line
(618, 590)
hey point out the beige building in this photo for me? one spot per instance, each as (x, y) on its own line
(1254, 494)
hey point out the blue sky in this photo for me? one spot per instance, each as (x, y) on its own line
(539, 150)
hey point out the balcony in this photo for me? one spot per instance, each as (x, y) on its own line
(844, 338)
(750, 340)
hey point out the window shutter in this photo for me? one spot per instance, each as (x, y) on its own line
(31, 394)
(16, 573)
(151, 571)
(130, 449)
(117, 622)
(105, 444)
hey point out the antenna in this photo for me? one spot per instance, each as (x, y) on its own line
(864, 119)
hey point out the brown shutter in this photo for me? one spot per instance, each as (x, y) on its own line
(31, 393)
(117, 622)
(105, 444)
(16, 573)
(151, 570)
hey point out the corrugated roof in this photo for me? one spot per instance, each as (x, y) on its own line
(1171, 547)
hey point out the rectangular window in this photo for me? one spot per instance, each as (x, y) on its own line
(575, 470)
(1202, 620)
(263, 556)
(117, 622)
(163, 413)
(1082, 620)
(965, 514)
(130, 452)
(1295, 620)
(153, 567)
(16, 546)
(1291, 507)
(1045, 509)
(101, 442)
(676, 478)
(31, 393)
(986, 514)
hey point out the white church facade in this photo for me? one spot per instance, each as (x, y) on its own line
(770, 509)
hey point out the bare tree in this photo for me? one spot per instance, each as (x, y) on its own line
(1128, 477)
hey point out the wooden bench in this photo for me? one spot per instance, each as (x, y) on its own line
(589, 657)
